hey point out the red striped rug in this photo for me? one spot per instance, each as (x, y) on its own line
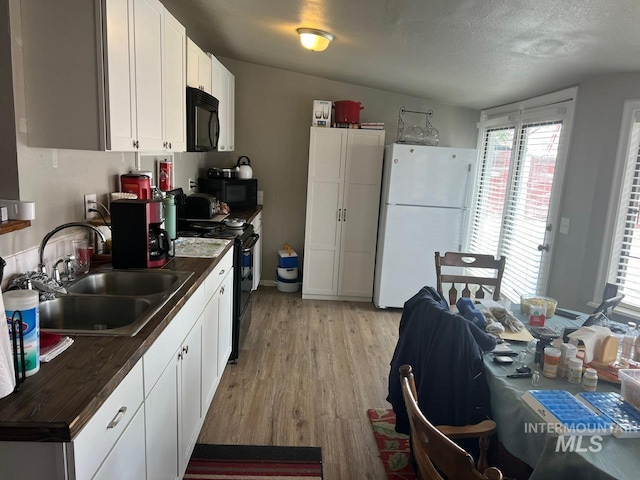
(247, 462)
(393, 446)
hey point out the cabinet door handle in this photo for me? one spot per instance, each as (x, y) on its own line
(136, 144)
(221, 272)
(180, 356)
(185, 349)
(222, 290)
(339, 213)
(119, 416)
(344, 215)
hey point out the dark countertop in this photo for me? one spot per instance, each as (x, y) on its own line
(56, 402)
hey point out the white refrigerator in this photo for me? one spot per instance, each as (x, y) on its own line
(424, 207)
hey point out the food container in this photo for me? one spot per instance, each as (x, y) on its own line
(630, 385)
(529, 300)
(287, 259)
(288, 287)
(287, 273)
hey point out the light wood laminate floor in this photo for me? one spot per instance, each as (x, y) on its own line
(307, 373)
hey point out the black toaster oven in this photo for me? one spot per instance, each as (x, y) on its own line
(235, 192)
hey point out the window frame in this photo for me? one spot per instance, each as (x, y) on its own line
(630, 116)
(538, 109)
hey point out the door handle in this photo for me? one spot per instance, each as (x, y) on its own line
(544, 247)
(339, 213)
(344, 215)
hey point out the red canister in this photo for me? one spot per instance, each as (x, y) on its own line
(164, 175)
(347, 111)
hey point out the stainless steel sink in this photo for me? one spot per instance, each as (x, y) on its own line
(111, 302)
(128, 282)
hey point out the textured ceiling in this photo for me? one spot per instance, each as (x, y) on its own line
(469, 53)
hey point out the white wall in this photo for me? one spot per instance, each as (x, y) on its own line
(273, 116)
(587, 188)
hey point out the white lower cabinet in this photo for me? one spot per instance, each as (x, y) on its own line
(189, 402)
(178, 395)
(125, 461)
(161, 425)
(99, 441)
(216, 328)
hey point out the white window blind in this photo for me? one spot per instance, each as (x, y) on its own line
(513, 198)
(625, 258)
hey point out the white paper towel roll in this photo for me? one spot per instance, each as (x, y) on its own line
(7, 373)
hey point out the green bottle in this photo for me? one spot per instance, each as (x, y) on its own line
(170, 216)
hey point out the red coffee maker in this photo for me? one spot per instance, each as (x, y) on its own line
(136, 183)
(138, 241)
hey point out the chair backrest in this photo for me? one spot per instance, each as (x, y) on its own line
(435, 453)
(468, 260)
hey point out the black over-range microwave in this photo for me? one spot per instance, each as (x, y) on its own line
(203, 123)
(235, 192)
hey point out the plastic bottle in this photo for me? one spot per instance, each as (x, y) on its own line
(575, 370)
(27, 303)
(590, 380)
(170, 216)
(629, 342)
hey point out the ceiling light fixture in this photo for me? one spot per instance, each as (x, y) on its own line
(315, 40)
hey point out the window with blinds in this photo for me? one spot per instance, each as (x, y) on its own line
(513, 196)
(625, 257)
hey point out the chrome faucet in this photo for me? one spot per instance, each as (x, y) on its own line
(41, 266)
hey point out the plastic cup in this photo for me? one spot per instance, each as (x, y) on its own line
(551, 360)
(83, 254)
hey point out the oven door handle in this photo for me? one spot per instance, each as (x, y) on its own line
(248, 245)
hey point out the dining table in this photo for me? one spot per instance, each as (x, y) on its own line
(524, 434)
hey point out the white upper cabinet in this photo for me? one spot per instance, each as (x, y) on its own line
(223, 88)
(198, 67)
(121, 95)
(174, 84)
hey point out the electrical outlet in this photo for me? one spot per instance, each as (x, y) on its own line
(564, 226)
(90, 202)
(192, 185)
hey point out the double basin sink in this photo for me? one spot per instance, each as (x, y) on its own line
(111, 302)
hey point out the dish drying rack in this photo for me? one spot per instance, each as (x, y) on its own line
(415, 134)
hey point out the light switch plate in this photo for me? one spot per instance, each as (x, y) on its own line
(564, 226)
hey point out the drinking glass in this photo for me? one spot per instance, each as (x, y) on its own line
(83, 254)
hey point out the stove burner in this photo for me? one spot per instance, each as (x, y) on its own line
(205, 226)
(187, 233)
(221, 235)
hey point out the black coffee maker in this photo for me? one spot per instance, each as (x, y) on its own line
(138, 240)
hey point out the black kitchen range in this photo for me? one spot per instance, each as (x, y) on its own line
(197, 217)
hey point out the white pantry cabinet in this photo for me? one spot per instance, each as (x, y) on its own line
(198, 67)
(223, 88)
(343, 195)
(114, 100)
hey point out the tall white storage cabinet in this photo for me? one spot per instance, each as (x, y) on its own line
(343, 196)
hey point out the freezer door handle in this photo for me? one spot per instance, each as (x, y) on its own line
(344, 215)
(339, 213)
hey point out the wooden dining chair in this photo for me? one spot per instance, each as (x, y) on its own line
(468, 260)
(435, 452)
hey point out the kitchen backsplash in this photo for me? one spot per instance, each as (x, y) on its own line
(28, 260)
